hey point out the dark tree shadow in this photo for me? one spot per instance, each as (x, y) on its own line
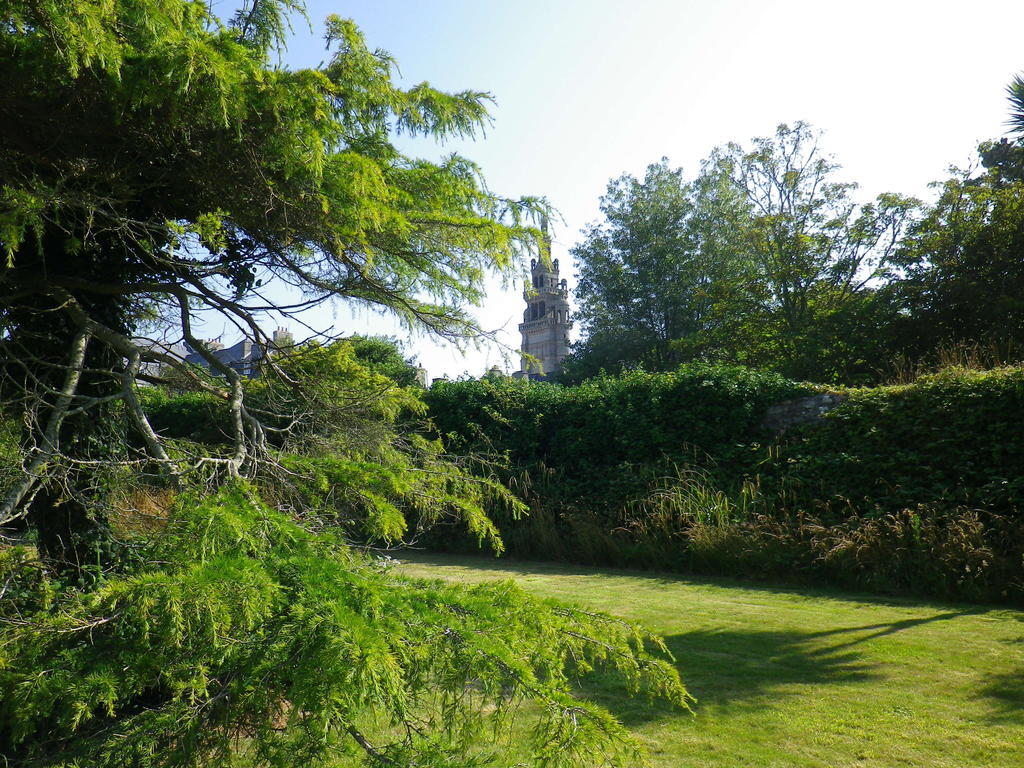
(888, 628)
(1005, 694)
(731, 669)
(735, 668)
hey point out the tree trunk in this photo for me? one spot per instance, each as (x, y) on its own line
(64, 507)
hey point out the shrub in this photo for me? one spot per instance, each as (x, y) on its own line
(607, 440)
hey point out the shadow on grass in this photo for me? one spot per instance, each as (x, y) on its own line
(1004, 693)
(729, 669)
(749, 669)
(889, 628)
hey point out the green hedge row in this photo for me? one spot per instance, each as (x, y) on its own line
(602, 441)
(954, 438)
(915, 488)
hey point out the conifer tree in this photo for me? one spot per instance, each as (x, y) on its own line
(154, 163)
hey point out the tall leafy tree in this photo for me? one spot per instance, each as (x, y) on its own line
(653, 271)
(962, 278)
(960, 282)
(154, 163)
(818, 254)
(765, 258)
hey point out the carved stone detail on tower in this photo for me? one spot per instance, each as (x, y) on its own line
(546, 324)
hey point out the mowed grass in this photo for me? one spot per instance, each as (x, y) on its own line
(795, 677)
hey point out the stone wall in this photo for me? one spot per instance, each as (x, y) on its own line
(781, 416)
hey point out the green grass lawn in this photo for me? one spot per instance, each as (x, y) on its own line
(799, 677)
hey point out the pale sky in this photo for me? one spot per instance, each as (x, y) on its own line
(589, 89)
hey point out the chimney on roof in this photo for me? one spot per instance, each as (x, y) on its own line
(283, 338)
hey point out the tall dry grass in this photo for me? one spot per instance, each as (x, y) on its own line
(976, 355)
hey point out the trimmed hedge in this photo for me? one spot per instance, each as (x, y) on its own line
(606, 439)
(956, 438)
(915, 488)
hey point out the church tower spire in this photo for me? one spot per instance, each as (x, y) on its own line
(546, 323)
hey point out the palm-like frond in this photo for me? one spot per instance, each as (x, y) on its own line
(1015, 90)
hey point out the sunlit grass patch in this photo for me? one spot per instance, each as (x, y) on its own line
(787, 677)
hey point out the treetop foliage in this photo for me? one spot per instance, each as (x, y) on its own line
(385, 355)
(306, 154)
(766, 258)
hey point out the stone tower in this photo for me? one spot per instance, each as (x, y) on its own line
(546, 323)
